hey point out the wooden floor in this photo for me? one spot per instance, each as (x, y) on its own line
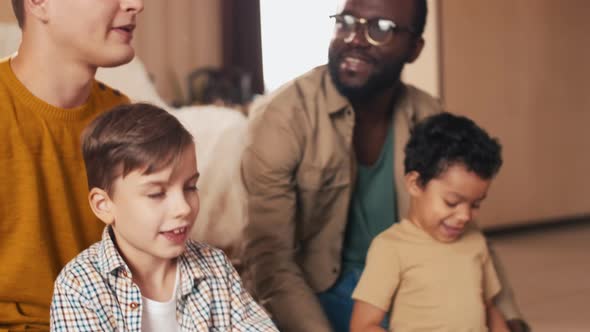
(549, 269)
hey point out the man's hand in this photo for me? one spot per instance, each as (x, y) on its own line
(517, 325)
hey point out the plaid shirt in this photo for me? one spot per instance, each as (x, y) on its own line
(95, 292)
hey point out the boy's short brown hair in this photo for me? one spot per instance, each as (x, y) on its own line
(131, 137)
(18, 6)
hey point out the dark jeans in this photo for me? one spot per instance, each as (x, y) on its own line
(337, 301)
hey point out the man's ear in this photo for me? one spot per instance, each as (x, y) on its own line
(416, 50)
(37, 9)
(102, 205)
(413, 186)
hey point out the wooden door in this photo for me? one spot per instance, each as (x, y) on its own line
(521, 69)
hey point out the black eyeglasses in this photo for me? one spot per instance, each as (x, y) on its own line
(378, 31)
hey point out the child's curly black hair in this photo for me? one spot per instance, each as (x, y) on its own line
(444, 139)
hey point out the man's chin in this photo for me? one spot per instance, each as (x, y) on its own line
(364, 87)
(352, 82)
(354, 93)
(357, 90)
(354, 88)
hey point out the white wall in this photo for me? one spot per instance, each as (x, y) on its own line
(296, 36)
(425, 72)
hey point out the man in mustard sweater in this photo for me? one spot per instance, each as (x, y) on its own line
(47, 96)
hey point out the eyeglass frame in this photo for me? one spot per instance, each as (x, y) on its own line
(364, 23)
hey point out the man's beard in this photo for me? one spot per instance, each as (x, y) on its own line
(386, 77)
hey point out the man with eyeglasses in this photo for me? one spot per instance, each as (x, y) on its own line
(323, 168)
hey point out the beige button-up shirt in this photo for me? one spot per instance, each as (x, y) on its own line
(298, 172)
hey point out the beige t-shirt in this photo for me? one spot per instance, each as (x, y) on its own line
(429, 285)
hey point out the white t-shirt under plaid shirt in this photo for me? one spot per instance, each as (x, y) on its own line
(159, 316)
(95, 292)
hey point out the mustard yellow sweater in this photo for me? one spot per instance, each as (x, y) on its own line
(45, 219)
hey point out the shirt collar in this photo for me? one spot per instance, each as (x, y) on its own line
(335, 102)
(190, 269)
(110, 261)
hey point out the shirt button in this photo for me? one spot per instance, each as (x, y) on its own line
(134, 305)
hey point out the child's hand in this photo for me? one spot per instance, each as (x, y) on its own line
(500, 328)
(517, 325)
(496, 321)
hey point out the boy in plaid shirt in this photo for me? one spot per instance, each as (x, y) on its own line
(145, 274)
